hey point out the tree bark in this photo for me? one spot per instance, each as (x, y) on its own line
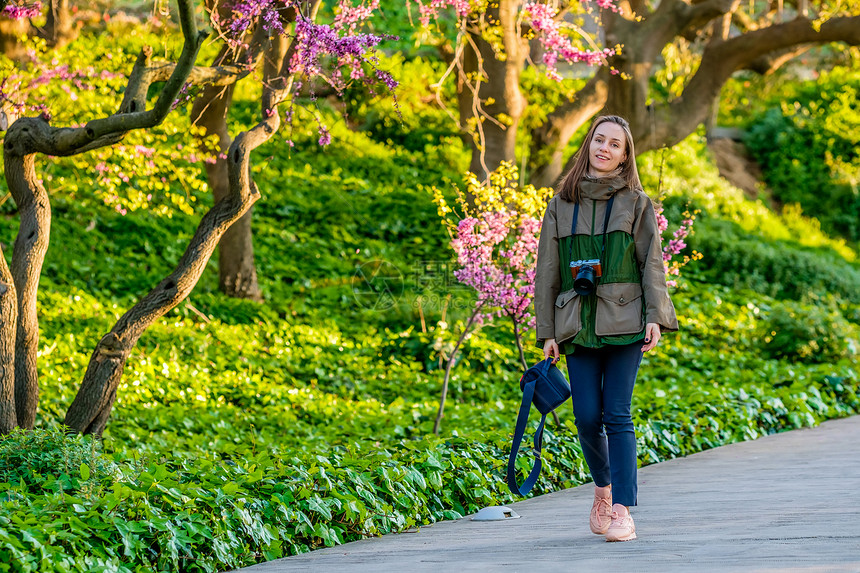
(24, 139)
(656, 125)
(236, 268)
(28, 256)
(91, 408)
(8, 324)
(10, 31)
(549, 141)
(677, 119)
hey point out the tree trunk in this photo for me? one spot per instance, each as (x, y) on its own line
(237, 272)
(59, 28)
(675, 120)
(623, 94)
(28, 256)
(8, 322)
(550, 140)
(24, 139)
(498, 80)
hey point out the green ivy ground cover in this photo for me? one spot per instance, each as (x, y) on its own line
(244, 432)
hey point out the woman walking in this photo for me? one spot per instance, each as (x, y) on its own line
(601, 299)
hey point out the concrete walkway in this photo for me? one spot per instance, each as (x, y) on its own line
(783, 503)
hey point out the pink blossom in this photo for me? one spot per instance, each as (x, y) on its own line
(143, 150)
(496, 252)
(556, 43)
(22, 11)
(675, 245)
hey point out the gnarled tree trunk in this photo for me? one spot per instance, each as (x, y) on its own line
(28, 255)
(91, 408)
(661, 124)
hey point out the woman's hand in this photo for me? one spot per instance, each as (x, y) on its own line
(550, 348)
(652, 336)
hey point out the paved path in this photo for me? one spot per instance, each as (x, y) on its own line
(788, 503)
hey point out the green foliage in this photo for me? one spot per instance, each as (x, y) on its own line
(807, 142)
(50, 460)
(777, 269)
(243, 432)
(809, 333)
(745, 244)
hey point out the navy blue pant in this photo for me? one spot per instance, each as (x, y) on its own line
(601, 384)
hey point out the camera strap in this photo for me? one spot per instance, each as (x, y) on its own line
(605, 221)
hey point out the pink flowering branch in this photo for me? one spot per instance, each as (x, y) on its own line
(554, 36)
(676, 244)
(22, 10)
(335, 54)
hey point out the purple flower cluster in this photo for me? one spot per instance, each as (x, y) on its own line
(334, 53)
(21, 11)
(246, 12)
(317, 43)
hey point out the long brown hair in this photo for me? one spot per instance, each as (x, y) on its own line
(569, 187)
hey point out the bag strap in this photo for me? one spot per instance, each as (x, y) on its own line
(522, 419)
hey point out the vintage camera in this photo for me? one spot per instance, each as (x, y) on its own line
(585, 275)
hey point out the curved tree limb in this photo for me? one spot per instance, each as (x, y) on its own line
(104, 131)
(550, 139)
(676, 120)
(236, 268)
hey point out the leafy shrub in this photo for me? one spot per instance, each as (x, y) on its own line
(49, 459)
(807, 146)
(776, 268)
(808, 333)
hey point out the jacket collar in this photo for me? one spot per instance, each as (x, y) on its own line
(601, 189)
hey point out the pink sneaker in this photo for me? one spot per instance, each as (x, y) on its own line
(621, 527)
(601, 513)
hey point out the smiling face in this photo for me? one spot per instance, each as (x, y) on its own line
(608, 149)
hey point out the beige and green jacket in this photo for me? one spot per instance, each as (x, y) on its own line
(632, 291)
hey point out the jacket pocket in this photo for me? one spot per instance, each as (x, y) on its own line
(619, 309)
(568, 321)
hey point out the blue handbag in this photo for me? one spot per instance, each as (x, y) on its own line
(545, 386)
